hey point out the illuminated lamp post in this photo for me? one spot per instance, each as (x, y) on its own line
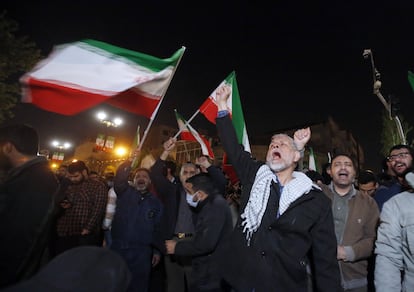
(103, 142)
(58, 156)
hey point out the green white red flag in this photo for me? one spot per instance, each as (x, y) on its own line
(312, 161)
(83, 74)
(209, 109)
(188, 133)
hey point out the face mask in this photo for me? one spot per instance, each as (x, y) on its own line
(190, 201)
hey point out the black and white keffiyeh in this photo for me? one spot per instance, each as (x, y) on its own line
(259, 196)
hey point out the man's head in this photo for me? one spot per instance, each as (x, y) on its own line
(201, 186)
(315, 176)
(342, 171)
(142, 180)
(94, 175)
(367, 182)
(17, 141)
(400, 158)
(187, 170)
(77, 172)
(62, 171)
(282, 153)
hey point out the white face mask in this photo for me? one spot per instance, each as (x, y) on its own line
(190, 201)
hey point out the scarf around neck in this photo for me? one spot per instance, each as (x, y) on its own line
(259, 196)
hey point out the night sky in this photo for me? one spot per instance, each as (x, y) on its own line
(296, 62)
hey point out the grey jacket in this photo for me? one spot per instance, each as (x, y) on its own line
(395, 245)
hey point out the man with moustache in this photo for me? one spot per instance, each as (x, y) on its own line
(286, 221)
(135, 227)
(26, 203)
(355, 218)
(84, 206)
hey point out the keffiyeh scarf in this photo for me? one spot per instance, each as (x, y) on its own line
(259, 196)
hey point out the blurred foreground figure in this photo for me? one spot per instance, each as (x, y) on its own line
(80, 269)
(394, 267)
(26, 204)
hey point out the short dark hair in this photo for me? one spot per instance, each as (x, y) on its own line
(202, 181)
(367, 176)
(24, 138)
(142, 169)
(314, 175)
(343, 154)
(76, 166)
(401, 146)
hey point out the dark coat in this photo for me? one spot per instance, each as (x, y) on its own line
(213, 225)
(136, 222)
(282, 247)
(170, 194)
(26, 205)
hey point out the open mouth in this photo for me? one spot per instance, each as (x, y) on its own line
(343, 174)
(276, 155)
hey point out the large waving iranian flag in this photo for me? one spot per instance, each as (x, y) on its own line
(209, 109)
(80, 75)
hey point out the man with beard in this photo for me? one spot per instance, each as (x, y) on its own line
(400, 159)
(26, 204)
(286, 221)
(355, 217)
(135, 227)
(84, 206)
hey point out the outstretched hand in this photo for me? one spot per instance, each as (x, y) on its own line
(169, 144)
(222, 94)
(301, 137)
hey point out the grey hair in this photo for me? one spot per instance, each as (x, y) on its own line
(291, 141)
(186, 164)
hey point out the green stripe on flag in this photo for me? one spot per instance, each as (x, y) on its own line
(151, 62)
(237, 112)
(411, 79)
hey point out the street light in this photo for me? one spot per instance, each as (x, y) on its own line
(61, 146)
(103, 141)
(58, 156)
(102, 117)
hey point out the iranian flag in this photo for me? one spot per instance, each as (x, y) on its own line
(209, 109)
(188, 133)
(312, 160)
(81, 75)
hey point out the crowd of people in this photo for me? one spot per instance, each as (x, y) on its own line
(185, 228)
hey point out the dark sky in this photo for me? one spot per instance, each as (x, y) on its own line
(297, 62)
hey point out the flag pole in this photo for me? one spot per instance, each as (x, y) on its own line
(135, 144)
(159, 104)
(187, 122)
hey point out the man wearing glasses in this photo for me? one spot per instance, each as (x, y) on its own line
(400, 160)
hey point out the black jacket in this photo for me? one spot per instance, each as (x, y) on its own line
(26, 210)
(171, 193)
(282, 247)
(213, 225)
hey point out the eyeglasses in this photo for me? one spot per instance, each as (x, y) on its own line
(399, 156)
